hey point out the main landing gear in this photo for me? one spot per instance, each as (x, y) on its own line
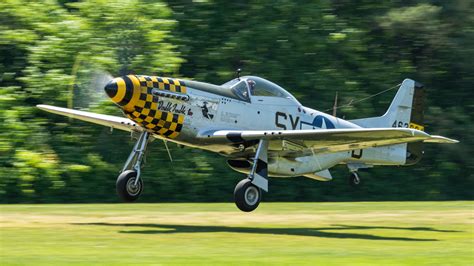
(247, 195)
(248, 192)
(129, 185)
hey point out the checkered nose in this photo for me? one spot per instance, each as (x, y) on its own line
(120, 90)
(139, 95)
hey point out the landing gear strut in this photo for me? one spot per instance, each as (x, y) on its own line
(248, 192)
(354, 178)
(129, 185)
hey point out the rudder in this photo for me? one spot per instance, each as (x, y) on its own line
(415, 149)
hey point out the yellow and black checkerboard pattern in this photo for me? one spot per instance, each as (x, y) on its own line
(146, 111)
(173, 85)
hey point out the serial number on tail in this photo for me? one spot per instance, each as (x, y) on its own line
(412, 125)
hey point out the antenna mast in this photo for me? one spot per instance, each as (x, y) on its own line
(334, 108)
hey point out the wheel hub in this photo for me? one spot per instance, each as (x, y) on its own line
(251, 195)
(133, 189)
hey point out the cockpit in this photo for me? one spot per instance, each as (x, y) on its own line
(249, 86)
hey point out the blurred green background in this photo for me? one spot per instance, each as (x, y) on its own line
(62, 52)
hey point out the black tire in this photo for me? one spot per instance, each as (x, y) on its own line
(247, 196)
(354, 179)
(126, 189)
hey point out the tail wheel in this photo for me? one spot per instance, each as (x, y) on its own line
(247, 196)
(127, 188)
(354, 179)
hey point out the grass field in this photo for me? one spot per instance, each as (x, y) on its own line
(377, 233)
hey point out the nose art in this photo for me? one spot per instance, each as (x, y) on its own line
(111, 88)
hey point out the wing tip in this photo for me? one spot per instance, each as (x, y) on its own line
(43, 106)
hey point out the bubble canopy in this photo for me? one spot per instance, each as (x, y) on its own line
(257, 86)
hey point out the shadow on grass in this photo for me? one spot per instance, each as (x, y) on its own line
(428, 229)
(311, 232)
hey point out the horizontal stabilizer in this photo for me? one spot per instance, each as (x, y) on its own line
(440, 139)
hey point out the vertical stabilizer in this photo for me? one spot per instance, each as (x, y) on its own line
(406, 110)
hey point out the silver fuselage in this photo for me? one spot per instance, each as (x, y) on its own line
(184, 112)
(271, 113)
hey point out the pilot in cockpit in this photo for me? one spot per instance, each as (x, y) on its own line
(251, 84)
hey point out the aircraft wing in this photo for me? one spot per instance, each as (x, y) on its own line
(100, 119)
(333, 140)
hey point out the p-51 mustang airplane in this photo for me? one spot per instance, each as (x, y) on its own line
(260, 127)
